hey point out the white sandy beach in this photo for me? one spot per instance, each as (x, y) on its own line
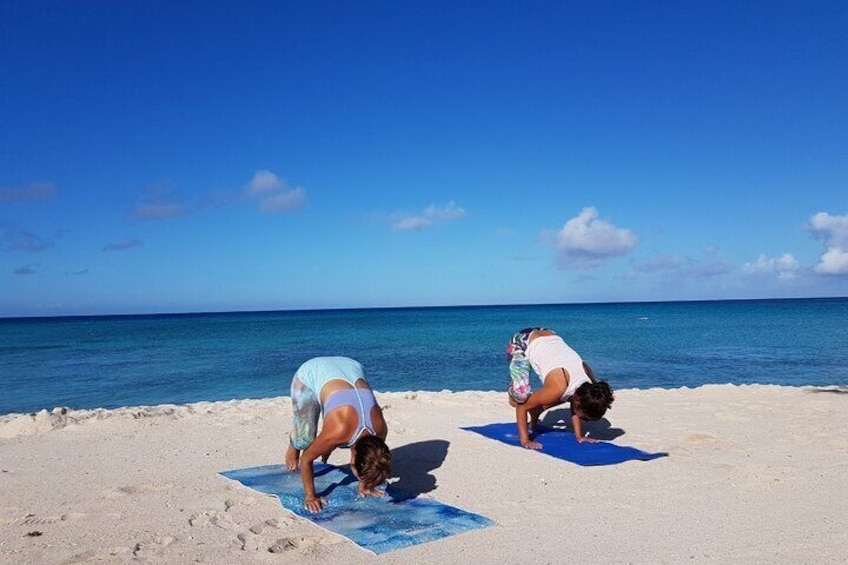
(755, 474)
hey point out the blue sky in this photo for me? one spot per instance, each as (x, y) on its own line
(207, 156)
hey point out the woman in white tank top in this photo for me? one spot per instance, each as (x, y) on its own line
(565, 378)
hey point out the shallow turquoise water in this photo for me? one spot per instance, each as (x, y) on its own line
(134, 360)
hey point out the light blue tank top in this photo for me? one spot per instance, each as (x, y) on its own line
(362, 400)
(318, 371)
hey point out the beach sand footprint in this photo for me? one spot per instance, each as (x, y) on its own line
(144, 488)
(242, 510)
(153, 548)
(35, 520)
(273, 524)
(236, 503)
(212, 517)
(104, 555)
(251, 542)
(301, 544)
(264, 535)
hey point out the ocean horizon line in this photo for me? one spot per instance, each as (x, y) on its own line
(203, 313)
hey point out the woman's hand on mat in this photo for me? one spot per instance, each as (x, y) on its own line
(586, 439)
(531, 444)
(314, 504)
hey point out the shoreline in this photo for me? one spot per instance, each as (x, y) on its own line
(755, 474)
(59, 416)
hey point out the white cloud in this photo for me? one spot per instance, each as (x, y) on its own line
(283, 202)
(833, 230)
(411, 223)
(834, 261)
(430, 216)
(785, 267)
(585, 241)
(273, 194)
(264, 182)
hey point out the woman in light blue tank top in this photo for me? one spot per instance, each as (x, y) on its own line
(335, 388)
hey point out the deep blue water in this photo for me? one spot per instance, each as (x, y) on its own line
(142, 360)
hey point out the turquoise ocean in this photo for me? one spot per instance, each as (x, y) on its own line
(111, 361)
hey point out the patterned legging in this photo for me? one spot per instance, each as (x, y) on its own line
(519, 367)
(306, 409)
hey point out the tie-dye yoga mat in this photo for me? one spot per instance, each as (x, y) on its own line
(376, 524)
(563, 445)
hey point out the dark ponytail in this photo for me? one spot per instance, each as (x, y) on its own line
(594, 399)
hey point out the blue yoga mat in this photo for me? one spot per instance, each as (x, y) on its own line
(376, 524)
(563, 445)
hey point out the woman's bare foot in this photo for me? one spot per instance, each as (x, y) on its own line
(292, 458)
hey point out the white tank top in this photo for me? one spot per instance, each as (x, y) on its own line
(549, 352)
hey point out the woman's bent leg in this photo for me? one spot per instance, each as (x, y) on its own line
(519, 367)
(306, 409)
